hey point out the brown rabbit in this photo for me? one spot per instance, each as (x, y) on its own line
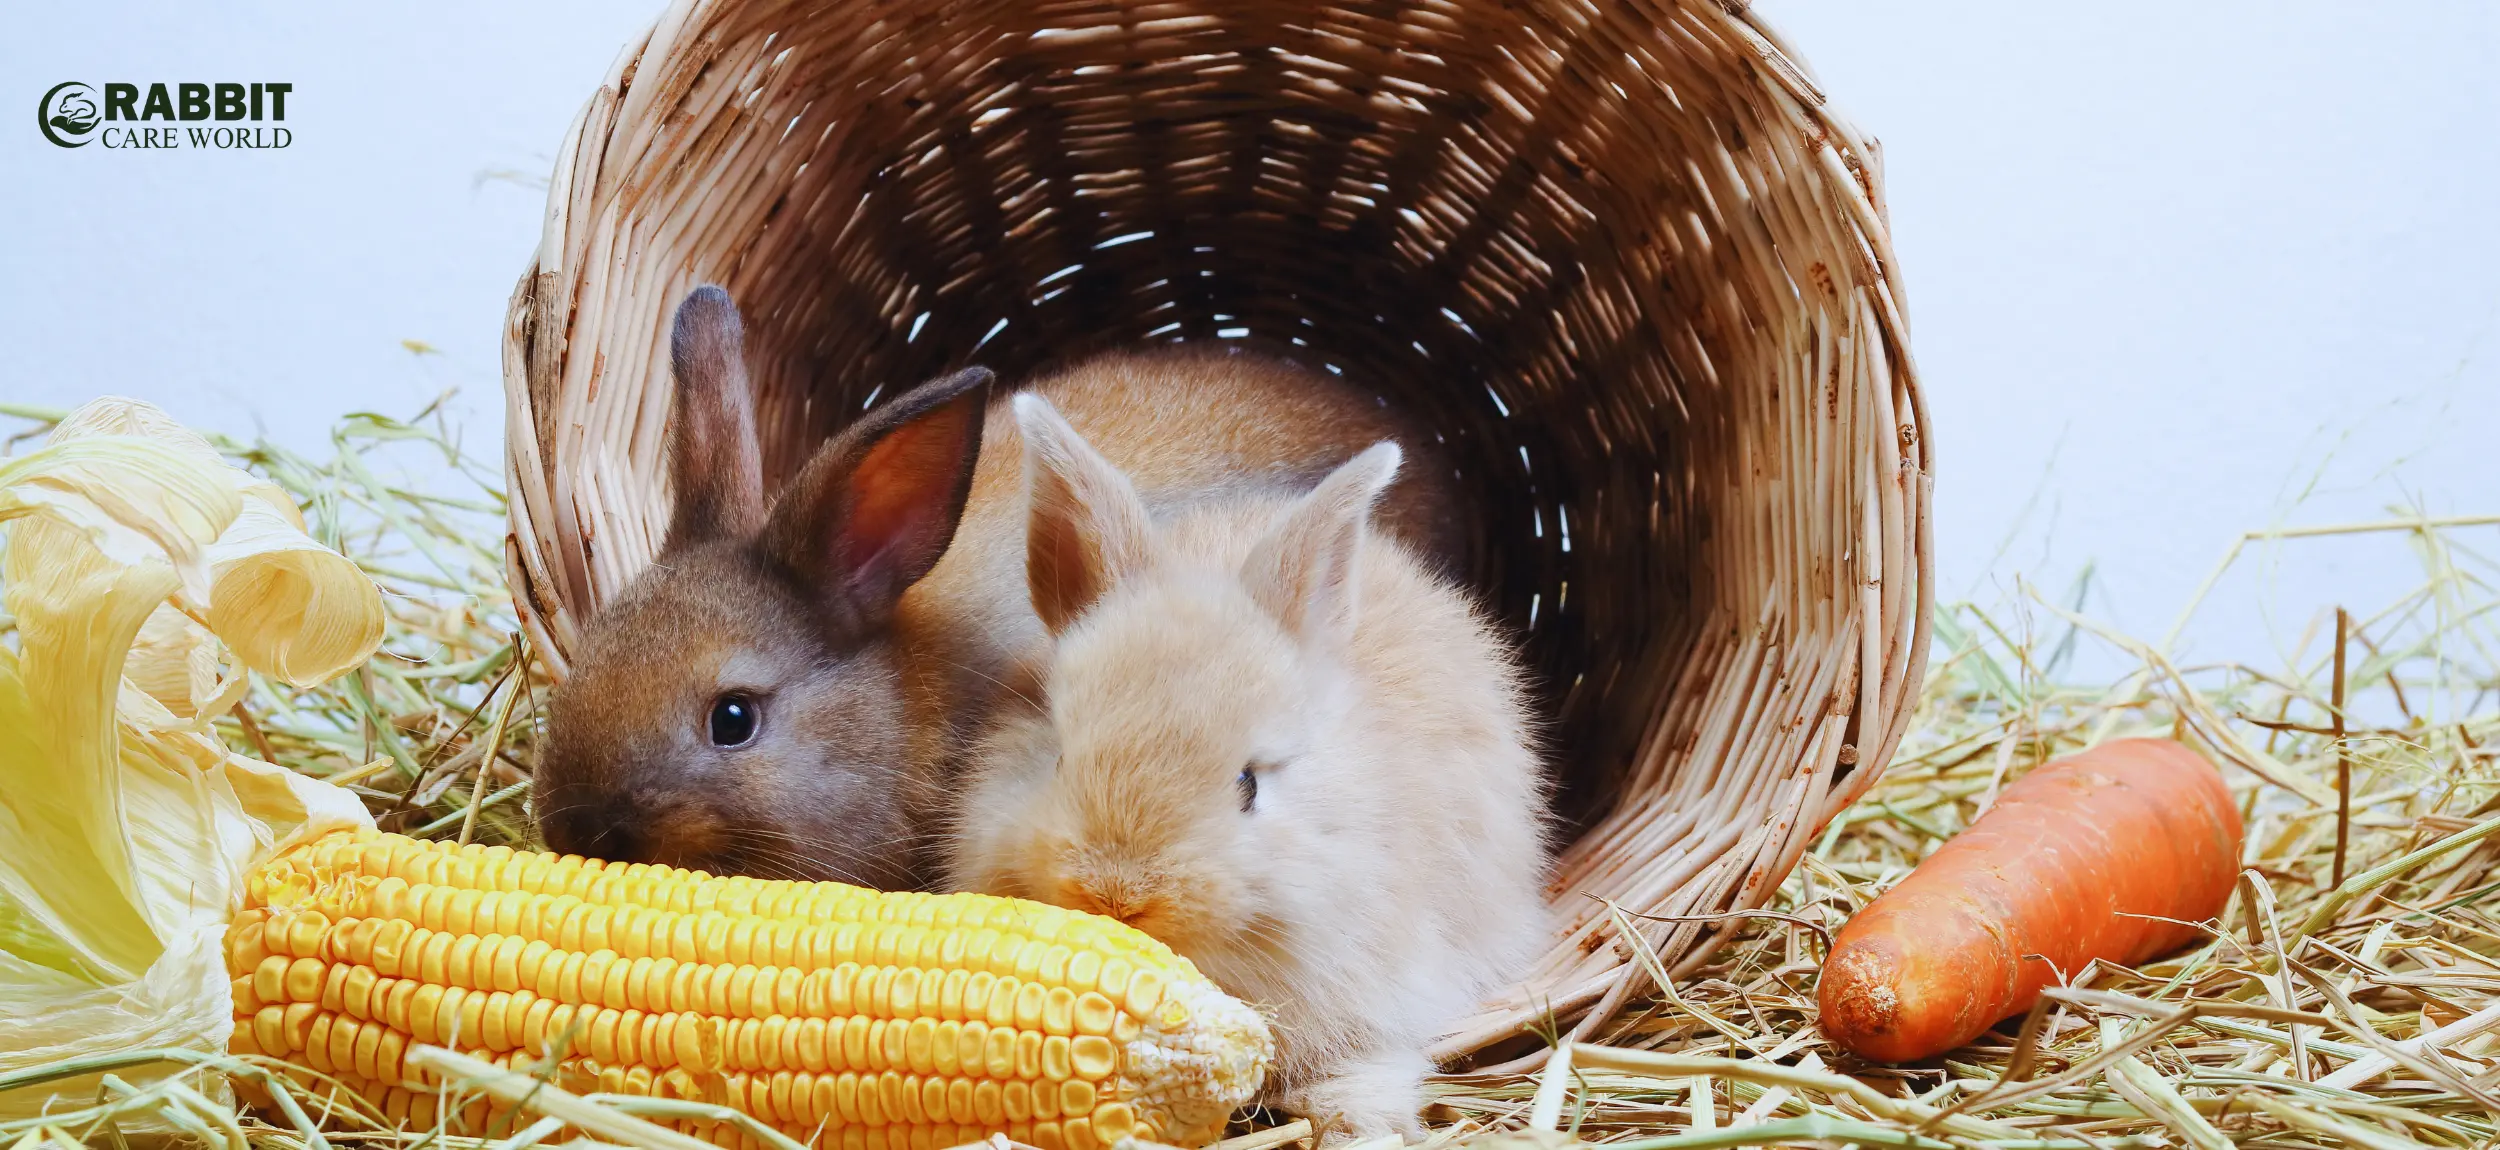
(786, 690)
(1279, 745)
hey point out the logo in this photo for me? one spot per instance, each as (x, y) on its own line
(68, 114)
(159, 116)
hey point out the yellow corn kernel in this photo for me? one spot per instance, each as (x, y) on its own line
(302, 981)
(920, 1045)
(1059, 1011)
(1029, 1054)
(1057, 1064)
(1092, 1057)
(770, 1049)
(813, 1052)
(880, 1021)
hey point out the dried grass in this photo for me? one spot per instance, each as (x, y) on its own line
(2302, 1021)
(2365, 1012)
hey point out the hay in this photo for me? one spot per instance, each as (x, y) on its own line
(2299, 1023)
(2303, 1021)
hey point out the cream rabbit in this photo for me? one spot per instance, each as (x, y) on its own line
(1273, 739)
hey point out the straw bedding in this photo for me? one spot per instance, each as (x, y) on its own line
(1623, 259)
(2213, 1047)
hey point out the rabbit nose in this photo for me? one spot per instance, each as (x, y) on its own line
(1113, 899)
(596, 828)
(1076, 895)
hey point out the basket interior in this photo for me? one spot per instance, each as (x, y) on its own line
(1610, 254)
(1493, 241)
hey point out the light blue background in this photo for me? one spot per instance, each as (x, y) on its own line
(2175, 271)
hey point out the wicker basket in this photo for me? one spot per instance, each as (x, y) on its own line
(1620, 253)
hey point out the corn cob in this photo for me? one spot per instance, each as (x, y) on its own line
(860, 1019)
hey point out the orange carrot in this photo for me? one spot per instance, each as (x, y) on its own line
(2082, 859)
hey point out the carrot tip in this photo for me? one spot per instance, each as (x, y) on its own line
(1859, 1003)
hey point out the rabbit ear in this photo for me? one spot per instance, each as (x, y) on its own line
(875, 509)
(715, 470)
(1303, 572)
(1084, 527)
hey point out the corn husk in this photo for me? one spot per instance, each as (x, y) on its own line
(146, 577)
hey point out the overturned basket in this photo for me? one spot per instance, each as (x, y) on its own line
(1620, 255)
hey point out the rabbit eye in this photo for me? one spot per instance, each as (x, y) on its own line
(1249, 784)
(733, 720)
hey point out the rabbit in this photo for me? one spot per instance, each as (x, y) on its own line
(1276, 740)
(787, 690)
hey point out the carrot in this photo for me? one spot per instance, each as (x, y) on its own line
(2082, 859)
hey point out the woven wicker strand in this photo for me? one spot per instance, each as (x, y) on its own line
(1620, 254)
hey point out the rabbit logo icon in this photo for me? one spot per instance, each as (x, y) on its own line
(68, 114)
